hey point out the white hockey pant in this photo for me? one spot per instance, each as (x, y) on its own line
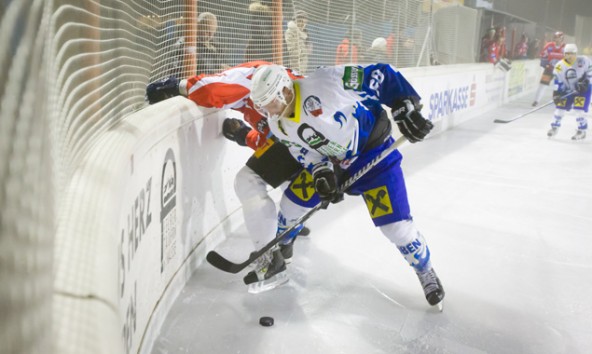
(259, 209)
(540, 91)
(410, 243)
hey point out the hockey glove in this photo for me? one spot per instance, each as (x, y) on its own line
(558, 97)
(161, 90)
(325, 183)
(582, 85)
(410, 122)
(235, 130)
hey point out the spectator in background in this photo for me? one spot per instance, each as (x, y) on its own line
(486, 42)
(348, 51)
(297, 42)
(209, 58)
(534, 47)
(377, 53)
(521, 48)
(500, 38)
(551, 54)
(260, 44)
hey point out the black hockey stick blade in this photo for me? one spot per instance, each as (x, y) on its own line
(218, 261)
(222, 263)
(499, 120)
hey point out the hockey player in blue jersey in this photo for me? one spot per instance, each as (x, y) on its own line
(333, 123)
(572, 74)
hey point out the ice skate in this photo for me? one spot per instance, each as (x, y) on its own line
(552, 132)
(580, 135)
(287, 250)
(305, 231)
(432, 288)
(269, 272)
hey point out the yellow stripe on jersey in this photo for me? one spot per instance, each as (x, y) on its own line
(297, 99)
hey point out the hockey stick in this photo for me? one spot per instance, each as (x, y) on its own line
(218, 261)
(532, 110)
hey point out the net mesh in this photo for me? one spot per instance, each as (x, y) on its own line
(71, 70)
(26, 222)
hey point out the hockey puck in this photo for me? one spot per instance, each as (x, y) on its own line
(266, 321)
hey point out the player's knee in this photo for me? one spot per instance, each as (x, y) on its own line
(400, 232)
(559, 113)
(249, 186)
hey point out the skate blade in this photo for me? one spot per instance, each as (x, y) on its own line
(439, 306)
(268, 284)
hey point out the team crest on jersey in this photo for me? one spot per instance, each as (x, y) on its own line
(353, 78)
(313, 106)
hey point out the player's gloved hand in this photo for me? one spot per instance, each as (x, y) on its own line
(582, 85)
(558, 97)
(325, 183)
(410, 122)
(235, 130)
(162, 89)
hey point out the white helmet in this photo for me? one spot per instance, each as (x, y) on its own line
(268, 83)
(570, 48)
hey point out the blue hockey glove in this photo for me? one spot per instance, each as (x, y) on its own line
(235, 130)
(161, 90)
(582, 85)
(410, 122)
(325, 183)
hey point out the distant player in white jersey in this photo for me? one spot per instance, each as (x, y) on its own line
(572, 75)
(333, 123)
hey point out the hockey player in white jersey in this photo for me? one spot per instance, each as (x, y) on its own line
(334, 124)
(572, 75)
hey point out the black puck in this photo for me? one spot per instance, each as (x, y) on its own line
(266, 321)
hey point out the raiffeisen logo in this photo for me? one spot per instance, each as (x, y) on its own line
(449, 101)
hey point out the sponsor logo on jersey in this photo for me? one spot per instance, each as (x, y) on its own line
(312, 106)
(302, 186)
(313, 138)
(353, 78)
(318, 142)
(378, 202)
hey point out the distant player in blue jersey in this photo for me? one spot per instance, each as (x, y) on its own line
(333, 123)
(572, 75)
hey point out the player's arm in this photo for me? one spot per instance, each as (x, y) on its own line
(391, 88)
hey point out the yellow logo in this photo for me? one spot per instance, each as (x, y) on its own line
(303, 186)
(579, 101)
(378, 202)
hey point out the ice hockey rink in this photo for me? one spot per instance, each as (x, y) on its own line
(507, 213)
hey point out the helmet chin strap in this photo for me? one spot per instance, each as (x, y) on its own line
(289, 108)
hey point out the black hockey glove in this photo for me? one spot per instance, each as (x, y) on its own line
(325, 183)
(582, 85)
(235, 130)
(410, 122)
(161, 90)
(558, 97)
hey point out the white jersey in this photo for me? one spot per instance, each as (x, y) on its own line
(335, 111)
(567, 75)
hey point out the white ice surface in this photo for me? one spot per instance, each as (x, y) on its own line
(507, 214)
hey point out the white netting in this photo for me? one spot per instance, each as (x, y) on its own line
(26, 222)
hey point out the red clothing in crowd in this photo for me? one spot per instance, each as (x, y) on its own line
(342, 54)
